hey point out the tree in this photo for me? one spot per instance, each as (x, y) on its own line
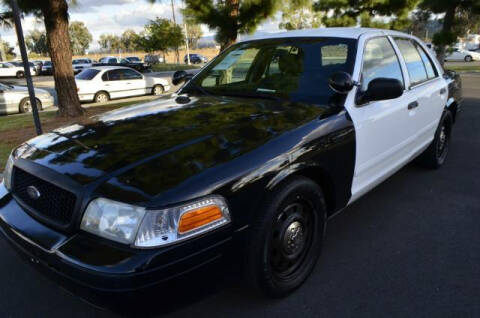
(162, 35)
(299, 14)
(459, 15)
(36, 42)
(8, 49)
(367, 13)
(111, 42)
(174, 19)
(231, 17)
(80, 37)
(55, 17)
(130, 40)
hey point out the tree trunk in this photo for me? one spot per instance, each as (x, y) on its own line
(448, 21)
(234, 7)
(55, 14)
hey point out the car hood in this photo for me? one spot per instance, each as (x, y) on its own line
(24, 89)
(154, 146)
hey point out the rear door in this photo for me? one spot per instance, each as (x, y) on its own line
(114, 83)
(383, 128)
(427, 91)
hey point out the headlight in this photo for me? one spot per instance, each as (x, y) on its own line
(153, 228)
(7, 174)
(112, 220)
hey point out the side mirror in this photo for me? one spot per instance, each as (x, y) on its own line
(341, 82)
(181, 76)
(381, 89)
(450, 73)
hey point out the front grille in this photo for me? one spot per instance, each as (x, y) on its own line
(54, 203)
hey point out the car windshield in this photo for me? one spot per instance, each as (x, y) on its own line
(133, 59)
(87, 74)
(296, 69)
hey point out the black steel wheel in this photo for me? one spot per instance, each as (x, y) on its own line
(286, 237)
(434, 156)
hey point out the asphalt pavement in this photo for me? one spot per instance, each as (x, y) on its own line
(409, 248)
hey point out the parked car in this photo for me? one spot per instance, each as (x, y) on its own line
(15, 99)
(133, 59)
(115, 61)
(195, 59)
(8, 69)
(81, 64)
(458, 54)
(244, 165)
(102, 83)
(153, 59)
(33, 70)
(38, 67)
(47, 68)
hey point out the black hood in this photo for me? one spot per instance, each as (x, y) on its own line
(155, 146)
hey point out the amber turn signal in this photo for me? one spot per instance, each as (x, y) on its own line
(198, 218)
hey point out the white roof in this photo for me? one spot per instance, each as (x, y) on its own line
(108, 67)
(350, 33)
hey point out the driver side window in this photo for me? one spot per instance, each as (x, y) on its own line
(380, 61)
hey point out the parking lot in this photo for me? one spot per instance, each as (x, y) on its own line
(407, 249)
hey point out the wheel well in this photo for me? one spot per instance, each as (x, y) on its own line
(102, 92)
(157, 85)
(325, 181)
(453, 110)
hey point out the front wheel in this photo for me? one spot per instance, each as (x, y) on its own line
(434, 156)
(468, 58)
(286, 237)
(20, 74)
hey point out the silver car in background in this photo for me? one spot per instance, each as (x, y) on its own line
(15, 99)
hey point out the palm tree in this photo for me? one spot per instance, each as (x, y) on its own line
(55, 17)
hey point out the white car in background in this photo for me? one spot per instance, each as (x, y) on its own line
(462, 55)
(8, 69)
(102, 83)
(15, 99)
(81, 64)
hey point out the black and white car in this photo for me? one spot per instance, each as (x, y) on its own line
(243, 166)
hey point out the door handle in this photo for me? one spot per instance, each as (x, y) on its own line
(412, 105)
(443, 91)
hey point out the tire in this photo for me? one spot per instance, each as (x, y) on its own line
(434, 156)
(158, 90)
(20, 74)
(101, 97)
(25, 107)
(468, 58)
(286, 238)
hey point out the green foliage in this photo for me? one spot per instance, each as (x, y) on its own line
(9, 50)
(110, 42)
(130, 40)
(392, 14)
(231, 17)
(36, 42)
(194, 34)
(460, 16)
(80, 37)
(161, 35)
(299, 14)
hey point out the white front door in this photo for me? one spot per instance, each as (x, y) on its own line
(383, 128)
(135, 82)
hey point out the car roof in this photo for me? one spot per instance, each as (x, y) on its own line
(111, 67)
(342, 32)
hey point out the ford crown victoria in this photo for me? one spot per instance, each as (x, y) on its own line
(246, 162)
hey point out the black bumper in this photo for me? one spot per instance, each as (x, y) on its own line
(102, 266)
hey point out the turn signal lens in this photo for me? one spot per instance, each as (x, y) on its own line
(198, 218)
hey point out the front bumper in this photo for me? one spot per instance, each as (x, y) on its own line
(47, 102)
(99, 265)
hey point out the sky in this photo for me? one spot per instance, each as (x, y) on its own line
(115, 16)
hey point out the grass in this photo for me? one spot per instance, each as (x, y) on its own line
(16, 129)
(463, 68)
(173, 67)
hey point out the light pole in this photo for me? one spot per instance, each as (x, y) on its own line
(26, 65)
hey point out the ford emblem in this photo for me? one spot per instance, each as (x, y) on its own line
(33, 193)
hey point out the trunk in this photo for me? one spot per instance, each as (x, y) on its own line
(55, 14)
(447, 27)
(234, 7)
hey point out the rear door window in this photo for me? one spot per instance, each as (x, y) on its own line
(416, 68)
